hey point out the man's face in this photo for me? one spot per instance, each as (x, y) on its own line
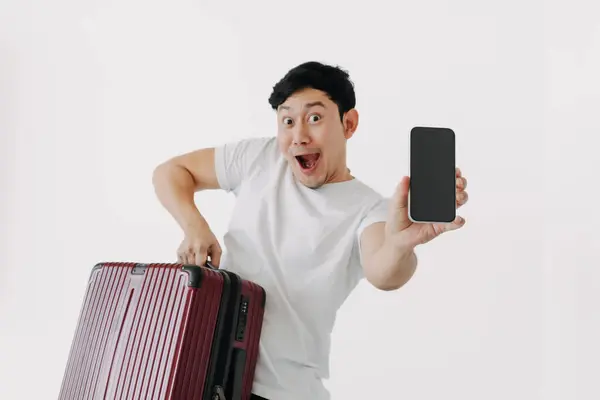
(312, 137)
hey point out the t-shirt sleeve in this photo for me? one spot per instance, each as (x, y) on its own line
(235, 161)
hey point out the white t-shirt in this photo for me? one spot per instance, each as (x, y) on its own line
(302, 246)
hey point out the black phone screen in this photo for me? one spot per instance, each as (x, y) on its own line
(432, 175)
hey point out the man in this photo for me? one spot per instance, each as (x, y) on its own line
(303, 227)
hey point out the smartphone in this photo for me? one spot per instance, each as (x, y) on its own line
(432, 191)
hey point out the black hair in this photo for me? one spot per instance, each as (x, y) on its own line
(332, 80)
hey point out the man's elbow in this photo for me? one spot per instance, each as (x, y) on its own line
(172, 170)
(162, 172)
(195, 170)
(390, 283)
(385, 286)
(390, 277)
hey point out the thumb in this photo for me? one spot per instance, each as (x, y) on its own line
(400, 201)
(215, 255)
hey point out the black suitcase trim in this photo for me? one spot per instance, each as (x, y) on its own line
(221, 346)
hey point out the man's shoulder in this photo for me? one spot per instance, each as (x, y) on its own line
(366, 194)
(239, 160)
(373, 204)
(353, 199)
(263, 142)
(368, 190)
(250, 152)
(263, 151)
(253, 146)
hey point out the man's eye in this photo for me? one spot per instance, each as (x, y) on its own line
(314, 118)
(287, 121)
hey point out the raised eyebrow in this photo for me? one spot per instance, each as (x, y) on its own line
(306, 106)
(313, 104)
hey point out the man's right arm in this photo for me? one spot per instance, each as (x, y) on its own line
(179, 178)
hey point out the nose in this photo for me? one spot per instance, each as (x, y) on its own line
(300, 136)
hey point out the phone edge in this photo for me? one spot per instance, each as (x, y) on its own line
(410, 135)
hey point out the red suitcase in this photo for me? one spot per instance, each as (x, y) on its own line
(165, 331)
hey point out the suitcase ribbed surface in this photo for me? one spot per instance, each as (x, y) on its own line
(143, 336)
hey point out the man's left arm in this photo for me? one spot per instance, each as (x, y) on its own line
(386, 265)
(388, 244)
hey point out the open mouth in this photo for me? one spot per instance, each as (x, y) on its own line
(308, 162)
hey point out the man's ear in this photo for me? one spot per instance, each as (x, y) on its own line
(350, 123)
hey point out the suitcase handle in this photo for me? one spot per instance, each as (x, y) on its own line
(207, 264)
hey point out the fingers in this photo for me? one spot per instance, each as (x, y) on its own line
(215, 255)
(200, 257)
(458, 222)
(199, 254)
(461, 184)
(189, 258)
(191, 254)
(182, 255)
(461, 198)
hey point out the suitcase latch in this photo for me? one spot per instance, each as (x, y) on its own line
(139, 269)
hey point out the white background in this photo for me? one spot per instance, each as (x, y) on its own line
(94, 94)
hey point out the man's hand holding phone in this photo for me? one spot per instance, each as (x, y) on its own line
(424, 205)
(402, 230)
